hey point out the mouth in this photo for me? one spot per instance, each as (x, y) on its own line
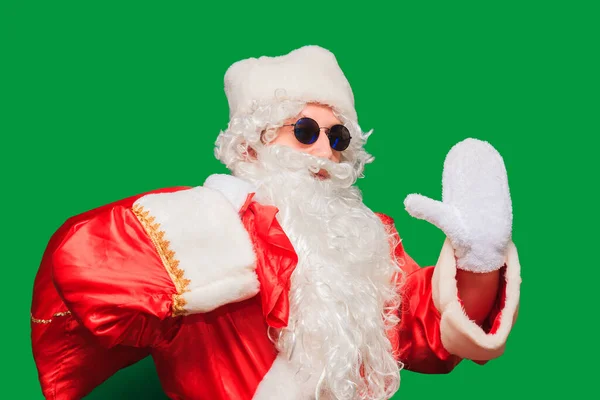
(321, 175)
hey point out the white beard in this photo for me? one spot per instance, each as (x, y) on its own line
(342, 297)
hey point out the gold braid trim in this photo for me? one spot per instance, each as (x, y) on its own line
(47, 321)
(167, 256)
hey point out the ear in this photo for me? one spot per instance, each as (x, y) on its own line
(263, 139)
(251, 153)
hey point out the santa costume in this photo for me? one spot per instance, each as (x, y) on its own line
(270, 283)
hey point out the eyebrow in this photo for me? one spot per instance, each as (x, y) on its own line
(327, 127)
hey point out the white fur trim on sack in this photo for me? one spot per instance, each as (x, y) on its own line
(210, 243)
(309, 74)
(460, 335)
(236, 190)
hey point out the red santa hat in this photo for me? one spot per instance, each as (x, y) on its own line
(308, 74)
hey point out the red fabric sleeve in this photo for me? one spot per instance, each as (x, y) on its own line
(419, 344)
(111, 277)
(417, 338)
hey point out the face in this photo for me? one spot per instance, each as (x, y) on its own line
(321, 148)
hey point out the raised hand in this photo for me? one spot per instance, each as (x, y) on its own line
(476, 211)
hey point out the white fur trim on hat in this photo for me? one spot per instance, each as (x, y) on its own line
(309, 74)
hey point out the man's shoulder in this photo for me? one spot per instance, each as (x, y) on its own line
(385, 219)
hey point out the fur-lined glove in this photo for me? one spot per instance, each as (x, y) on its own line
(476, 211)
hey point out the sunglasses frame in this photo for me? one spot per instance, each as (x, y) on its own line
(327, 132)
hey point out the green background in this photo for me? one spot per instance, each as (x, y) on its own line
(100, 101)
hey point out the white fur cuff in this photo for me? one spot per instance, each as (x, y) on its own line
(284, 381)
(203, 245)
(460, 335)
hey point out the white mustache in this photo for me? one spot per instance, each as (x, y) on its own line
(342, 174)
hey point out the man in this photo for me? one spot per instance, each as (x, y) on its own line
(277, 282)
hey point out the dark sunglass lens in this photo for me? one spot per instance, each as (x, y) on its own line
(339, 137)
(306, 130)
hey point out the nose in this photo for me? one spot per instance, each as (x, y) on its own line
(321, 148)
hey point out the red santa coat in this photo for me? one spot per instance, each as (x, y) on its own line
(194, 277)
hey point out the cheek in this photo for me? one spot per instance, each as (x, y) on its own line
(336, 156)
(289, 140)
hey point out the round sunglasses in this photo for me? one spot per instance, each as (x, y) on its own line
(307, 131)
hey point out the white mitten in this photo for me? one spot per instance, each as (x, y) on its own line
(476, 211)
